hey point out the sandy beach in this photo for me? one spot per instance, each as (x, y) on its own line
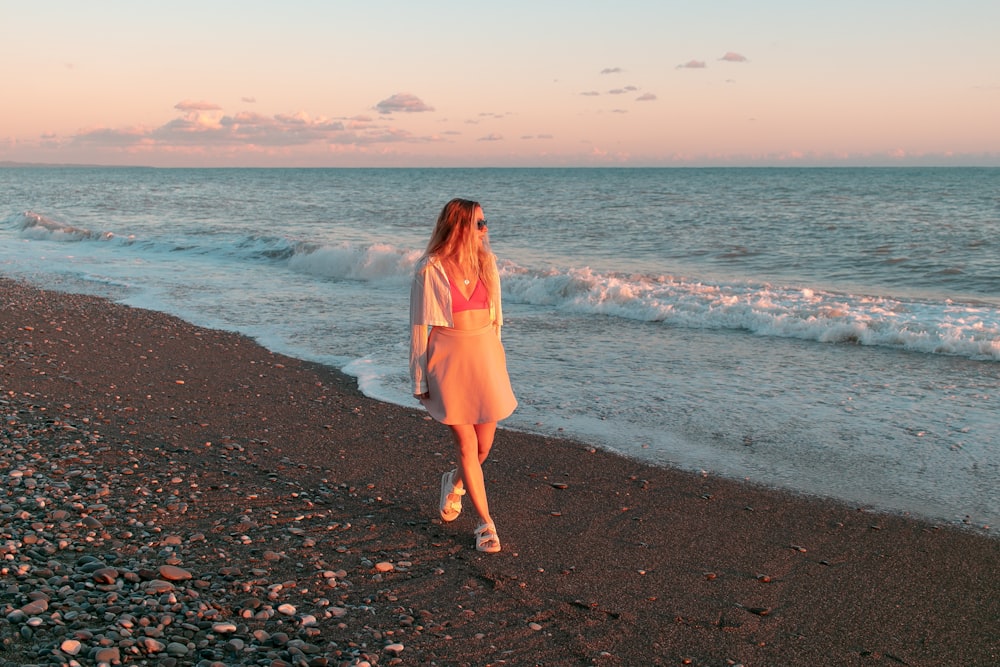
(174, 495)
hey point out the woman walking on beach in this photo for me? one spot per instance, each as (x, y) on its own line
(457, 363)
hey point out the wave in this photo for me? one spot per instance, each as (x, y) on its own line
(948, 328)
(341, 261)
(345, 261)
(38, 227)
(943, 327)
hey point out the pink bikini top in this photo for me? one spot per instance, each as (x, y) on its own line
(479, 299)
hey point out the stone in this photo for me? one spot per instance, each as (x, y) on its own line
(177, 649)
(151, 645)
(35, 607)
(105, 575)
(71, 646)
(159, 586)
(174, 573)
(109, 655)
(16, 617)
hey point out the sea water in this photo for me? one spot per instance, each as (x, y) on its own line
(829, 331)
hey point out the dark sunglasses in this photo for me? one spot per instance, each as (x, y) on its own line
(481, 224)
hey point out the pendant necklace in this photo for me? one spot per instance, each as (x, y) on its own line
(457, 272)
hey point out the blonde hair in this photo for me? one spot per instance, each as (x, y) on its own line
(456, 237)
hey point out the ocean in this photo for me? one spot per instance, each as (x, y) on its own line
(833, 332)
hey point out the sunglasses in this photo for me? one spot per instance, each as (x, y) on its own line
(481, 224)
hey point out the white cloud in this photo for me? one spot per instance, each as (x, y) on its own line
(611, 70)
(203, 127)
(379, 136)
(692, 64)
(191, 105)
(402, 102)
(107, 137)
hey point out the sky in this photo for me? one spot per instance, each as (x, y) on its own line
(426, 83)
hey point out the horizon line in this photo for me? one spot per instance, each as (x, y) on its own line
(16, 164)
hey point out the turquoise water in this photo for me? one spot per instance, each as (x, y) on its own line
(832, 331)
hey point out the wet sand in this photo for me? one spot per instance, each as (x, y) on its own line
(278, 483)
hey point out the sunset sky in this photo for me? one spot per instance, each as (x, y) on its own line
(513, 83)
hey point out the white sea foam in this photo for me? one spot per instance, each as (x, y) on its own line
(38, 227)
(348, 261)
(763, 309)
(783, 311)
(769, 310)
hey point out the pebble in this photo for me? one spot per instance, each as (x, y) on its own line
(105, 575)
(177, 649)
(107, 655)
(159, 586)
(174, 573)
(34, 607)
(91, 574)
(70, 647)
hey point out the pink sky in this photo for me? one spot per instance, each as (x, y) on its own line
(457, 84)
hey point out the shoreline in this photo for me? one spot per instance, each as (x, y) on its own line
(606, 560)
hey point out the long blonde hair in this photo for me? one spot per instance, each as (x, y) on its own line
(456, 237)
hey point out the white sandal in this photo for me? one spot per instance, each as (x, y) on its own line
(487, 540)
(448, 508)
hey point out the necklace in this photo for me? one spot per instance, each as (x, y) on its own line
(454, 270)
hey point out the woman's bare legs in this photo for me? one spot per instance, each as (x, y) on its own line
(474, 442)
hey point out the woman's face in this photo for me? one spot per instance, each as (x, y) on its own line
(480, 219)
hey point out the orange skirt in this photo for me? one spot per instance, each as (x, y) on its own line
(467, 377)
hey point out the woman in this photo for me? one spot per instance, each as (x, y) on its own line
(457, 364)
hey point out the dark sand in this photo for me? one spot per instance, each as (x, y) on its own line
(605, 560)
